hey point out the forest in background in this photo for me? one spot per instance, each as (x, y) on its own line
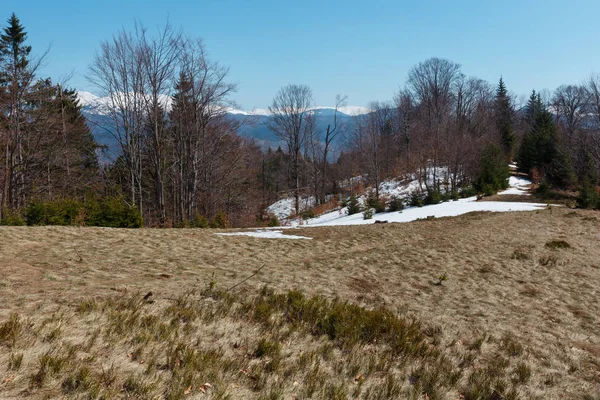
(182, 163)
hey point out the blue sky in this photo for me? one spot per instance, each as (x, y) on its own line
(363, 49)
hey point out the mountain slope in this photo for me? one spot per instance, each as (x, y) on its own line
(96, 110)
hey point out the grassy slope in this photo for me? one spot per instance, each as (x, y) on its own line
(510, 304)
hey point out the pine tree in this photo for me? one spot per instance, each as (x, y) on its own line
(16, 76)
(533, 108)
(13, 52)
(504, 112)
(540, 149)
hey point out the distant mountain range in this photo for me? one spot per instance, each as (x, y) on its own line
(96, 108)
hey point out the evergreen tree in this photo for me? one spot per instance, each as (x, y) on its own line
(16, 77)
(504, 112)
(540, 149)
(14, 54)
(494, 171)
(533, 108)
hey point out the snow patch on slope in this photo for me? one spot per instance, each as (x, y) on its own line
(265, 234)
(447, 209)
(517, 185)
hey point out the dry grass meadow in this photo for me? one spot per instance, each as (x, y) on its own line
(357, 312)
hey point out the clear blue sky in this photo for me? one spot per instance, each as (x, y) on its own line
(360, 48)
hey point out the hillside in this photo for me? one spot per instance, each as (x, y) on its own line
(517, 316)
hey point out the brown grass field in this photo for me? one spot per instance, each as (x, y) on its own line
(368, 315)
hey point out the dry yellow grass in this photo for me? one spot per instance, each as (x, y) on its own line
(504, 284)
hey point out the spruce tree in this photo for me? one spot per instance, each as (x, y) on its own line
(540, 149)
(494, 172)
(504, 112)
(15, 81)
(14, 53)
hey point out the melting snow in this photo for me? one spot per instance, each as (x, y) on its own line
(519, 186)
(266, 234)
(447, 209)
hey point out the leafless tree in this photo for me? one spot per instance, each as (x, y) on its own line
(290, 121)
(118, 72)
(432, 84)
(371, 138)
(159, 56)
(569, 103)
(332, 132)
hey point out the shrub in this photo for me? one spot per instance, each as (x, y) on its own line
(543, 189)
(10, 218)
(376, 203)
(273, 221)
(558, 244)
(267, 348)
(396, 204)
(353, 205)
(468, 191)
(113, 212)
(433, 197)
(588, 198)
(34, 214)
(415, 199)
(199, 221)
(307, 214)
(59, 212)
(220, 220)
(368, 213)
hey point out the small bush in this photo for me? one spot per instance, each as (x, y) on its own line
(467, 192)
(273, 221)
(353, 205)
(543, 190)
(10, 218)
(199, 221)
(376, 203)
(15, 361)
(267, 348)
(558, 244)
(396, 204)
(307, 214)
(113, 212)
(220, 221)
(588, 198)
(11, 330)
(368, 213)
(433, 197)
(415, 199)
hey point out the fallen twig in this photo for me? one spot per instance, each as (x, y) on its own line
(239, 283)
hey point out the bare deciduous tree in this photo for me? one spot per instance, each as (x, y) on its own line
(290, 121)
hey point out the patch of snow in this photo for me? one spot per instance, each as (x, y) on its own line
(265, 234)
(518, 186)
(447, 209)
(286, 207)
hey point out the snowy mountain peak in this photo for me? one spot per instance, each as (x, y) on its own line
(97, 105)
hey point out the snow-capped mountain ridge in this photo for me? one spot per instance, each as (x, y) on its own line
(99, 105)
